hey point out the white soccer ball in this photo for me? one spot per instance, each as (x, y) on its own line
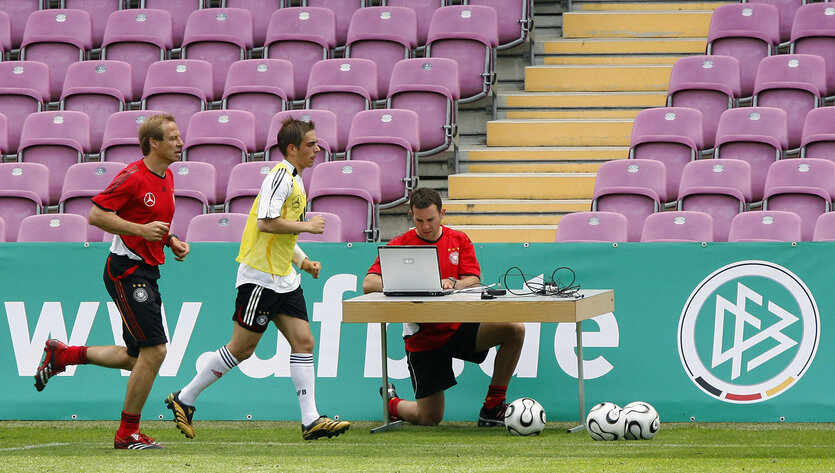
(605, 422)
(642, 421)
(524, 416)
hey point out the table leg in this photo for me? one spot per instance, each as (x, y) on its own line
(580, 381)
(387, 425)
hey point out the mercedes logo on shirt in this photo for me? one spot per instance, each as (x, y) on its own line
(150, 200)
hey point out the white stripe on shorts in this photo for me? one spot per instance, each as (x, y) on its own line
(254, 298)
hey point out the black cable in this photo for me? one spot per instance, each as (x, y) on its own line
(550, 287)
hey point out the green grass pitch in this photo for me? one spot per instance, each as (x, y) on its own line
(74, 446)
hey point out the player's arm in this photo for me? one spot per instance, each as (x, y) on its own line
(372, 283)
(306, 264)
(462, 283)
(112, 223)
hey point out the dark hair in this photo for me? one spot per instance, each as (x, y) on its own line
(152, 128)
(423, 197)
(292, 133)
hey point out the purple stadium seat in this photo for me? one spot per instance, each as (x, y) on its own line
(352, 191)
(385, 35)
(19, 11)
(721, 188)
(218, 227)
(342, 10)
(262, 87)
(803, 186)
(120, 142)
(678, 226)
(813, 32)
(83, 181)
(345, 87)
(303, 36)
(139, 37)
(220, 36)
(179, 11)
(223, 138)
(261, 11)
(818, 140)
(99, 89)
(469, 35)
(24, 190)
(388, 137)
(326, 130)
(333, 228)
(707, 83)
(45, 228)
(24, 89)
(182, 88)
(765, 225)
(57, 140)
(429, 87)
(5, 34)
(57, 38)
(244, 184)
(423, 11)
(795, 83)
(99, 12)
(194, 192)
(825, 227)
(747, 31)
(592, 227)
(672, 135)
(4, 134)
(635, 188)
(787, 10)
(757, 135)
(515, 19)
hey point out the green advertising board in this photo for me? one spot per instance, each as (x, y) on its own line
(716, 332)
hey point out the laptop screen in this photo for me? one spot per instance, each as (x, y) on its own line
(410, 268)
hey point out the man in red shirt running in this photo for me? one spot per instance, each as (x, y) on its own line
(137, 208)
(430, 348)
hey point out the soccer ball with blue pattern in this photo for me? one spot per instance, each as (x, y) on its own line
(606, 422)
(524, 416)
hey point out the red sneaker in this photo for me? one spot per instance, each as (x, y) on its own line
(50, 366)
(135, 441)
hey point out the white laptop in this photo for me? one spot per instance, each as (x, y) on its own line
(411, 271)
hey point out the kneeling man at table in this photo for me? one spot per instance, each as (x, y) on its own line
(430, 348)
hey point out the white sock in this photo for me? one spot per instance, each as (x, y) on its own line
(304, 377)
(218, 365)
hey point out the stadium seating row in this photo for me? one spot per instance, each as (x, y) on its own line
(720, 187)
(692, 226)
(758, 135)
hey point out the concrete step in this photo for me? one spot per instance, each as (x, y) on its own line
(612, 46)
(509, 233)
(569, 114)
(608, 60)
(597, 78)
(539, 154)
(514, 167)
(589, 132)
(510, 212)
(580, 100)
(636, 24)
(547, 186)
(650, 5)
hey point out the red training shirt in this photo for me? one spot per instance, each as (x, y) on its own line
(456, 256)
(140, 196)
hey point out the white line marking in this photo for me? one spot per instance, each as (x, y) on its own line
(29, 447)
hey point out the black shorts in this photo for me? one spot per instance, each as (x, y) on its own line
(256, 305)
(133, 287)
(431, 370)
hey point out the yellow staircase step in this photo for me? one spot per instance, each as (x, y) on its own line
(626, 46)
(509, 233)
(508, 206)
(532, 167)
(636, 24)
(534, 154)
(597, 78)
(583, 100)
(609, 60)
(521, 186)
(601, 6)
(569, 114)
(559, 132)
